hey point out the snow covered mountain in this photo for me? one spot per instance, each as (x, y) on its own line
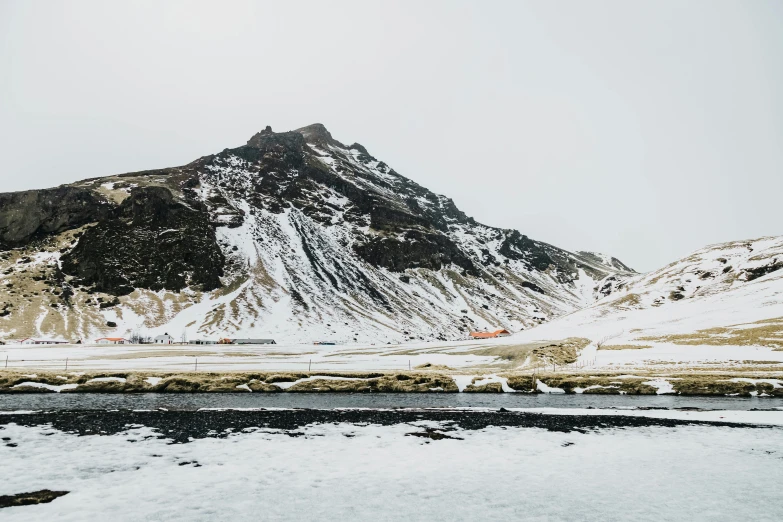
(294, 236)
(723, 296)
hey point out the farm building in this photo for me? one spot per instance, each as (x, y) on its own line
(203, 341)
(490, 335)
(29, 341)
(112, 340)
(163, 339)
(253, 341)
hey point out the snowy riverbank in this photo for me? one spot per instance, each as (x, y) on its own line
(373, 465)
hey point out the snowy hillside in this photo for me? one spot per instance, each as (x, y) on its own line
(722, 302)
(294, 236)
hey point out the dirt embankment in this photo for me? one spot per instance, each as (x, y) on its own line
(715, 384)
(208, 382)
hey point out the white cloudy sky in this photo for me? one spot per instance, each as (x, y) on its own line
(643, 129)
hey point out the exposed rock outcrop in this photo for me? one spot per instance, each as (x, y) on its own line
(36, 213)
(150, 241)
(415, 251)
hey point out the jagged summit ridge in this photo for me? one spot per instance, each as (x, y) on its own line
(317, 134)
(313, 240)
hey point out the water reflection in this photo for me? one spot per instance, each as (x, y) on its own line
(195, 401)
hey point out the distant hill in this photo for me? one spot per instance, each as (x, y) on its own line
(730, 294)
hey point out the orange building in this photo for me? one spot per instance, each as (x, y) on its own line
(111, 340)
(490, 335)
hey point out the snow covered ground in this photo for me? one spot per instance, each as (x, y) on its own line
(686, 297)
(721, 307)
(298, 357)
(671, 355)
(456, 354)
(771, 418)
(372, 472)
(713, 319)
(722, 321)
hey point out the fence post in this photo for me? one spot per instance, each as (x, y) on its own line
(309, 365)
(196, 369)
(6, 361)
(66, 364)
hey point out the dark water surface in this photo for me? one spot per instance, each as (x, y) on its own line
(194, 401)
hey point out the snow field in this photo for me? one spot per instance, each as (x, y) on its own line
(349, 472)
(296, 357)
(300, 357)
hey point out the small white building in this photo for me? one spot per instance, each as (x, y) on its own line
(163, 339)
(29, 341)
(111, 340)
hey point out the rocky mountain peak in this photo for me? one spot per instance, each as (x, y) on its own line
(359, 147)
(292, 235)
(318, 135)
(267, 138)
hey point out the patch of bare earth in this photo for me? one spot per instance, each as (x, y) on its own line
(43, 496)
(767, 333)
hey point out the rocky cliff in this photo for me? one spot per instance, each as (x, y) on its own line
(149, 241)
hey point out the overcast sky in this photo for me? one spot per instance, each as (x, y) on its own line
(644, 130)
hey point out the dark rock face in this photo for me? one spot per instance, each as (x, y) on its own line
(422, 251)
(287, 146)
(36, 213)
(317, 133)
(610, 284)
(519, 247)
(532, 286)
(761, 271)
(150, 241)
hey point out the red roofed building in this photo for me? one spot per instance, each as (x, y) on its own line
(111, 340)
(490, 335)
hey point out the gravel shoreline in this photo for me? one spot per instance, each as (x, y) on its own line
(184, 426)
